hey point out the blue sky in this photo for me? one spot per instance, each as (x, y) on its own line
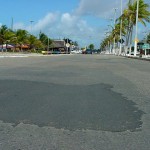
(84, 21)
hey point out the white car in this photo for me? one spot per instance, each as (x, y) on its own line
(76, 52)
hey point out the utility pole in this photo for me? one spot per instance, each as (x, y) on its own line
(136, 29)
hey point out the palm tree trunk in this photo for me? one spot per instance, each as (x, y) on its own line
(131, 34)
(6, 46)
(127, 37)
(2, 46)
(128, 34)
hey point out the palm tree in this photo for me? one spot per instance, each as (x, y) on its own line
(129, 18)
(34, 42)
(9, 37)
(31, 41)
(21, 36)
(91, 46)
(3, 30)
(45, 40)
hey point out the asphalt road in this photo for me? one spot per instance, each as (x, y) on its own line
(74, 102)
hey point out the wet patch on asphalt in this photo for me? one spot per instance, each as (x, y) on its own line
(72, 107)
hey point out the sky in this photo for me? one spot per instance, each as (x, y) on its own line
(84, 21)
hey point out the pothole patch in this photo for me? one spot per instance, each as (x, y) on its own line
(72, 107)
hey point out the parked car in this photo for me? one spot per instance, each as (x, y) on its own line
(56, 51)
(4, 49)
(96, 51)
(76, 52)
(87, 51)
(137, 53)
(46, 52)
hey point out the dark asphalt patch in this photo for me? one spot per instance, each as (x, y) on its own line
(94, 107)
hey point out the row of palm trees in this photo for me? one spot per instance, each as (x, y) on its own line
(21, 37)
(128, 19)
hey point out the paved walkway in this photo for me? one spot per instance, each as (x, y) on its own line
(140, 58)
(7, 54)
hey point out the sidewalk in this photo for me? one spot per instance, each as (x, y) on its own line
(20, 54)
(146, 58)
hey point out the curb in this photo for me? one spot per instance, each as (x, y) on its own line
(138, 58)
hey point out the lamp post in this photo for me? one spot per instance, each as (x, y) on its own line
(136, 29)
(111, 19)
(31, 25)
(120, 32)
(110, 41)
(109, 44)
(114, 49)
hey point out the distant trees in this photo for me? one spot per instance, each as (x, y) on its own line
(3, 30)
(91, 46)
(21, 37)
(44, 39)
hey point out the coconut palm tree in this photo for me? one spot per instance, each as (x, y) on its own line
(31, 41)
(45, 40)
(129, 18)
(34, 42)
(9, 37)
(22, 37)
(3, 30)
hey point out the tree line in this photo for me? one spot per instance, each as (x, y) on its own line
(22, 37)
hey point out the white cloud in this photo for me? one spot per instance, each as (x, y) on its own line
(75, 28)
(94, 7)
(45, 22)
(41, 24)
(71, 24)
(99, 8)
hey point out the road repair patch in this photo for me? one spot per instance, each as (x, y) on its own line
(72, 107)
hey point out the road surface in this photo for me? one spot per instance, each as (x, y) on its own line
(74, 102)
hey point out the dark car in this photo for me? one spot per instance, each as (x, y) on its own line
(87, 51)
(96, 51)
(56, 51)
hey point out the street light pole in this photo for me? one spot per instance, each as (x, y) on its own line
(114, 49)
(121, 31)
(136, 29)
(109, 44)
(31, 25)
(111, 19)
